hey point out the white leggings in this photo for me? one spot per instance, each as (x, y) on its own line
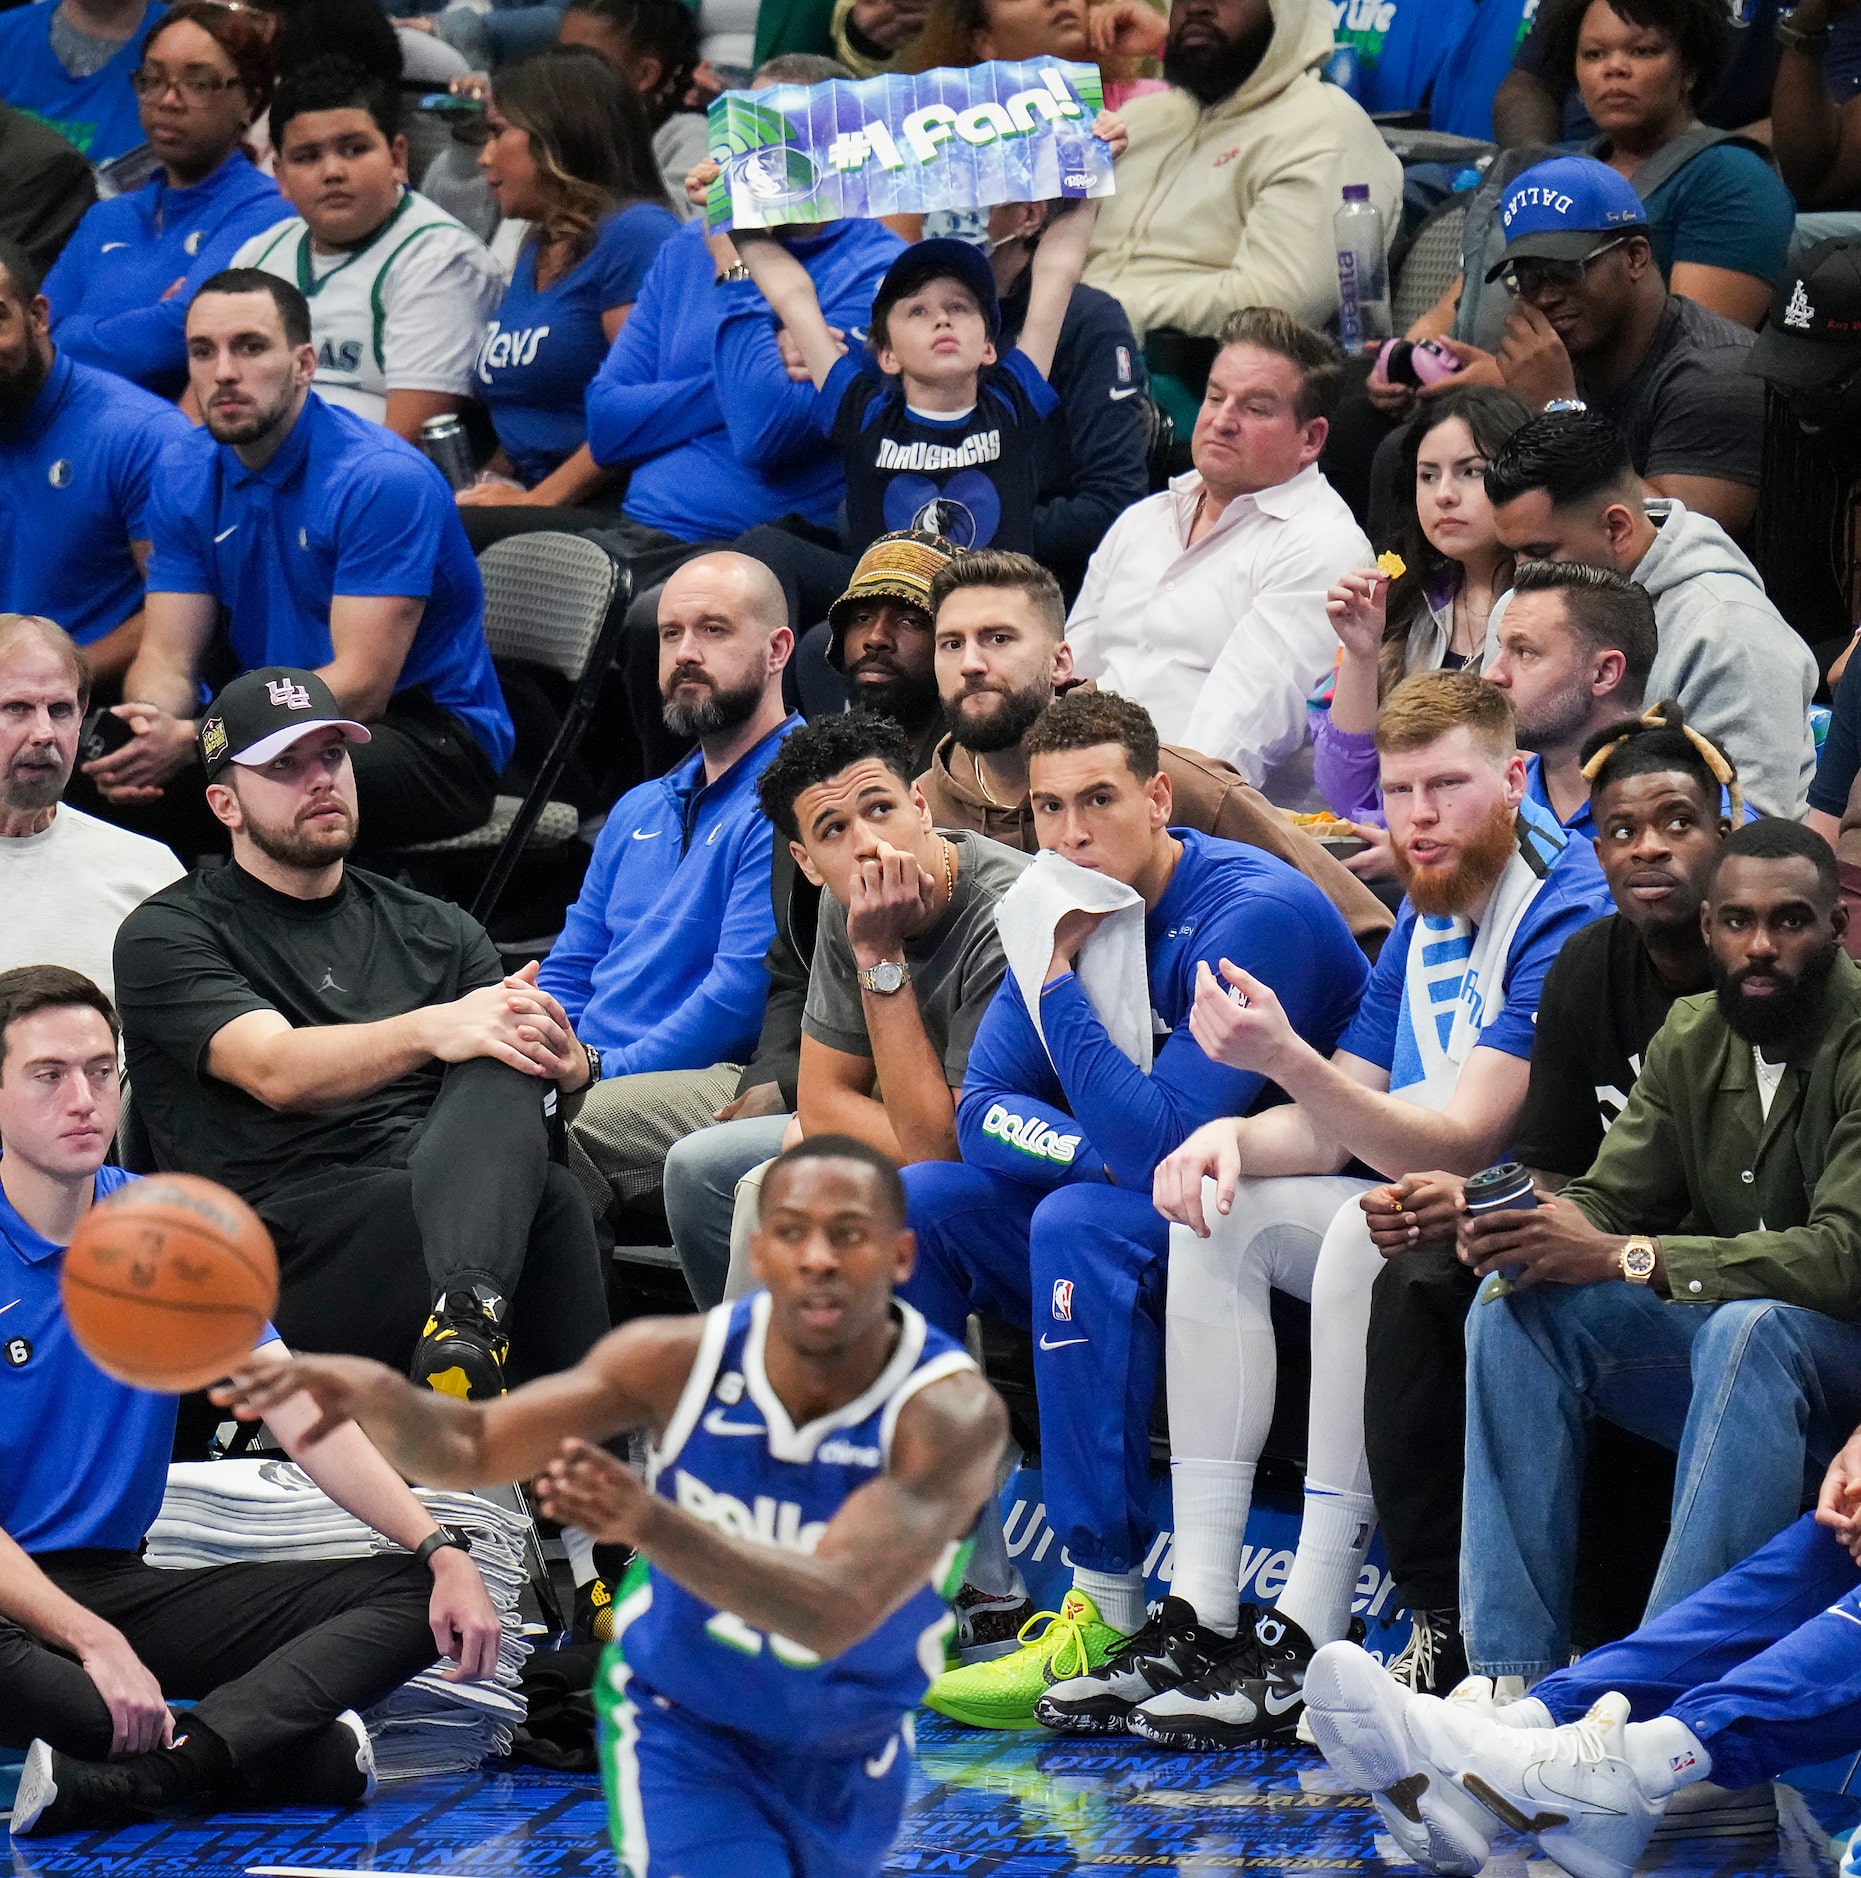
(1304, 1235)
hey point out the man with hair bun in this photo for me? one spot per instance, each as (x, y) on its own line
(1431, 1073)
(1048, 1220)
(1698, 1285)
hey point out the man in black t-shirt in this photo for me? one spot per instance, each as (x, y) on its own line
(1656, 802)
(349, 1056)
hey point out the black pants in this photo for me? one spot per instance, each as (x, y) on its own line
(422, 776)
(364, 1251)
(269, 1653)
(1415, 1419)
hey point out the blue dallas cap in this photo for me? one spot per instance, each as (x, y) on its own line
(1557, 211)
(940, 258)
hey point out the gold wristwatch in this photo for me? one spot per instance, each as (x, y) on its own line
(1637, 1259)
(885, 978)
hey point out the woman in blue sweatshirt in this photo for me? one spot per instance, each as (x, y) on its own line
(121, 288)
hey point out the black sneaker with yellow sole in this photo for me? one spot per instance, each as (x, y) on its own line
(462, 1350)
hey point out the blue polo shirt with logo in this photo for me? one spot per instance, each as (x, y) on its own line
(344, 508)
(98, 113)
(75, 480)
(83, 1458)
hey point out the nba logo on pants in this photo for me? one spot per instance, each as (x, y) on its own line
(1063, 1299)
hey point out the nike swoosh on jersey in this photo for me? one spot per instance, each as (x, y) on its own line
(4, 1308)
(646, 834)
(715, 1424)
(1046, 1343)
(1130, 391)
(108, 245)
(224, 532)
(712, 836)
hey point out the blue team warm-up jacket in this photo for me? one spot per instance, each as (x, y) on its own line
(660, 963)
(1088, 1112)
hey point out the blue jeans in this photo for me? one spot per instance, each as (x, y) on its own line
(701, 1178)
(1764, 1664)
(1750, 1395)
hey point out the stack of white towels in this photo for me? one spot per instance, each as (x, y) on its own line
(216, 1512)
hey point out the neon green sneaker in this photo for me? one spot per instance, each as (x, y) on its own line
(1001, 1694)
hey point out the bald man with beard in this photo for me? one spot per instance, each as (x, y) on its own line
(660, 963)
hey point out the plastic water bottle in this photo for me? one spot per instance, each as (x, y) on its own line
(1363, 271)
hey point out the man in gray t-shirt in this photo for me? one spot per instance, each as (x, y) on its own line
(906, 955)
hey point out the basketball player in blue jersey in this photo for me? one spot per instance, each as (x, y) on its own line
(819, 1456)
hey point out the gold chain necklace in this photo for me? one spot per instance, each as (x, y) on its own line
(982, 781)
(949, 871)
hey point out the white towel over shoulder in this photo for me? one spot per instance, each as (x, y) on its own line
(1111, 965)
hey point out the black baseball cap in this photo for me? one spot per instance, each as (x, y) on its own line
(941, 258)
(1812, 334)
(263, 712)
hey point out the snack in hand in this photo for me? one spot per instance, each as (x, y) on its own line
(1391, 565)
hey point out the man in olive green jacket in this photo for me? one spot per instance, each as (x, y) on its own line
(1700, 1285)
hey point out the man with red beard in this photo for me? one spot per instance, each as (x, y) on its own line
(350, 1056)
(1431, 1073)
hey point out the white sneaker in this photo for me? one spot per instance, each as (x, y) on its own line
(1359, 1716)
(1570, 1788)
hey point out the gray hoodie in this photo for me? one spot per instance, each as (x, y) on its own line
(1728, 656)
(1734, 662)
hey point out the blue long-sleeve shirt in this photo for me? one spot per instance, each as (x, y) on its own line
(1080, 1109)
(771, 419)
(660, 963)
(107, 289)
(1092, 451)
(654, 408)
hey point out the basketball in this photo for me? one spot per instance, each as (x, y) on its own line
(169, 1282)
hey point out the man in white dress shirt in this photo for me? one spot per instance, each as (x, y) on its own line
(1206, 603)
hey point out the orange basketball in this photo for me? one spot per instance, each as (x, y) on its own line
(169, 1282)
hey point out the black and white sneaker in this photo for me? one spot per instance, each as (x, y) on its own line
(1434, 1660)
(1252, 1692)
(1170, 1647)
(58, 1793)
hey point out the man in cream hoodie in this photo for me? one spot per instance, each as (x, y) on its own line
(1226, 194)
(1563, 489)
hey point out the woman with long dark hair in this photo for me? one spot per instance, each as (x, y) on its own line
(121, 288)
(1434, 612)
(569, 152)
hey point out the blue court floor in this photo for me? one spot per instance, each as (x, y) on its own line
(1009, 1806)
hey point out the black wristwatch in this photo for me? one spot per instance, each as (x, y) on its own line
(446, 1538)
(594, 1064)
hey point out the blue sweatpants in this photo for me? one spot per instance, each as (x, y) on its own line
(1083, 1268)
(1763, 1664)
(690, 1800)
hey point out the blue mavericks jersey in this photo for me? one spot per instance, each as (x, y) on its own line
(731, 1457)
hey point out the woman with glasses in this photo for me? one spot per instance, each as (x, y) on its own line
(1433, 613)
(120, 290)
(568, 152)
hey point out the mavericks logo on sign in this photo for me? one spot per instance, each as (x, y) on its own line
(907, 143)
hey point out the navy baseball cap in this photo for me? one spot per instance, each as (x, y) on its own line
(940, 258)
(1555, 211)
(1813, 335)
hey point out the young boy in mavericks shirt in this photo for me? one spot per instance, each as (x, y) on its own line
(944, 438)
(1048, 1219)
